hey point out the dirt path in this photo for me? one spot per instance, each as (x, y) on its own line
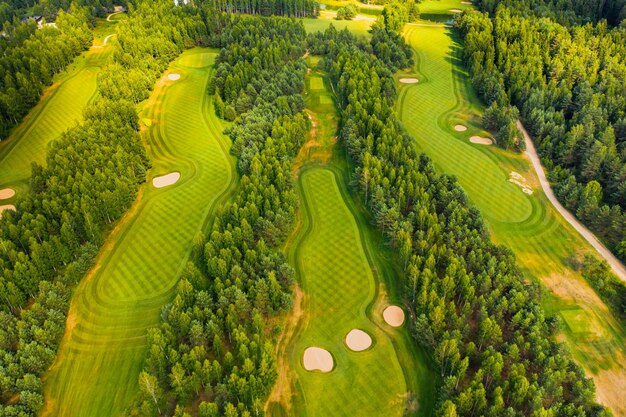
(616, 265)
(112, 14)
(108, 37)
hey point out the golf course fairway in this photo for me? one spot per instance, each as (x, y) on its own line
(342, 291)
(60, 108)
(102, 351)
(504, 186)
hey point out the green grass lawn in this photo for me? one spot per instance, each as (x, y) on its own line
(442, 6)
(347, 281)
(547, 247)
(60, 108)
(358, 27)
(339, 286)
(96, 370)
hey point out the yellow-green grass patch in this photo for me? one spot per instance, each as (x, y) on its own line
(136, 271)
(358, 27)
(316, 83)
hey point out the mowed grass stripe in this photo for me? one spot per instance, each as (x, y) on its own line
(61, 108)
(338, 280)
(546, 246)
(114, 306)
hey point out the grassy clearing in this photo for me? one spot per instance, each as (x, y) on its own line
(361, 7)
(358, 27)
(547, 247)
(442, 6)
(342, 269)
(138, 267)
(60, 108)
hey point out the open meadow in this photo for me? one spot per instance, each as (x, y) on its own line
(442, 113)
(60, 108)
(104, 344)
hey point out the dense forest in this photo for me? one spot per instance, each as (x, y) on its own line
(31, 57)
(489, 337)
(91, 177)
(213, 345)
(568, 12)
(568, 84)
(293, 8)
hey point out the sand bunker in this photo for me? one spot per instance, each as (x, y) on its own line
(6, 193)
(165, 180)
(409, 80)
(6, 207)
(479, 140)
(173, 77)
(394, 316)
(460, 128)
(455, 10)
(357, 340)
(318, 359)
(518, 179)
(466, 2)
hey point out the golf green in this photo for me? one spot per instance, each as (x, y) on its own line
(101, 355)
(546, 246)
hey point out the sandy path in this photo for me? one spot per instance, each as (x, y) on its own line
(112, 14)
(107, 38)
(616, 265)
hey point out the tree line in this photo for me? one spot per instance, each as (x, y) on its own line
(567, 12)
(91, 177)
(31, 57)
(568, 86)
(290, 8)
(213, 355)
(470, 307)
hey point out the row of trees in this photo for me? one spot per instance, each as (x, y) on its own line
(211, 356)
(292, 8)
(91, 177)
(568, 12)
(469, 306)
(31, 57)
(568, 85)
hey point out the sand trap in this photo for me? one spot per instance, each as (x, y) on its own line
(466, 2)
(6, 207)
(517, 179)
(480, 140)
(460, 128)
(165, 180)
(394, 316)
(6, 193)
(357, 340)
(455, 10)
(318, 359)
(409, 80)
(173, 77)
